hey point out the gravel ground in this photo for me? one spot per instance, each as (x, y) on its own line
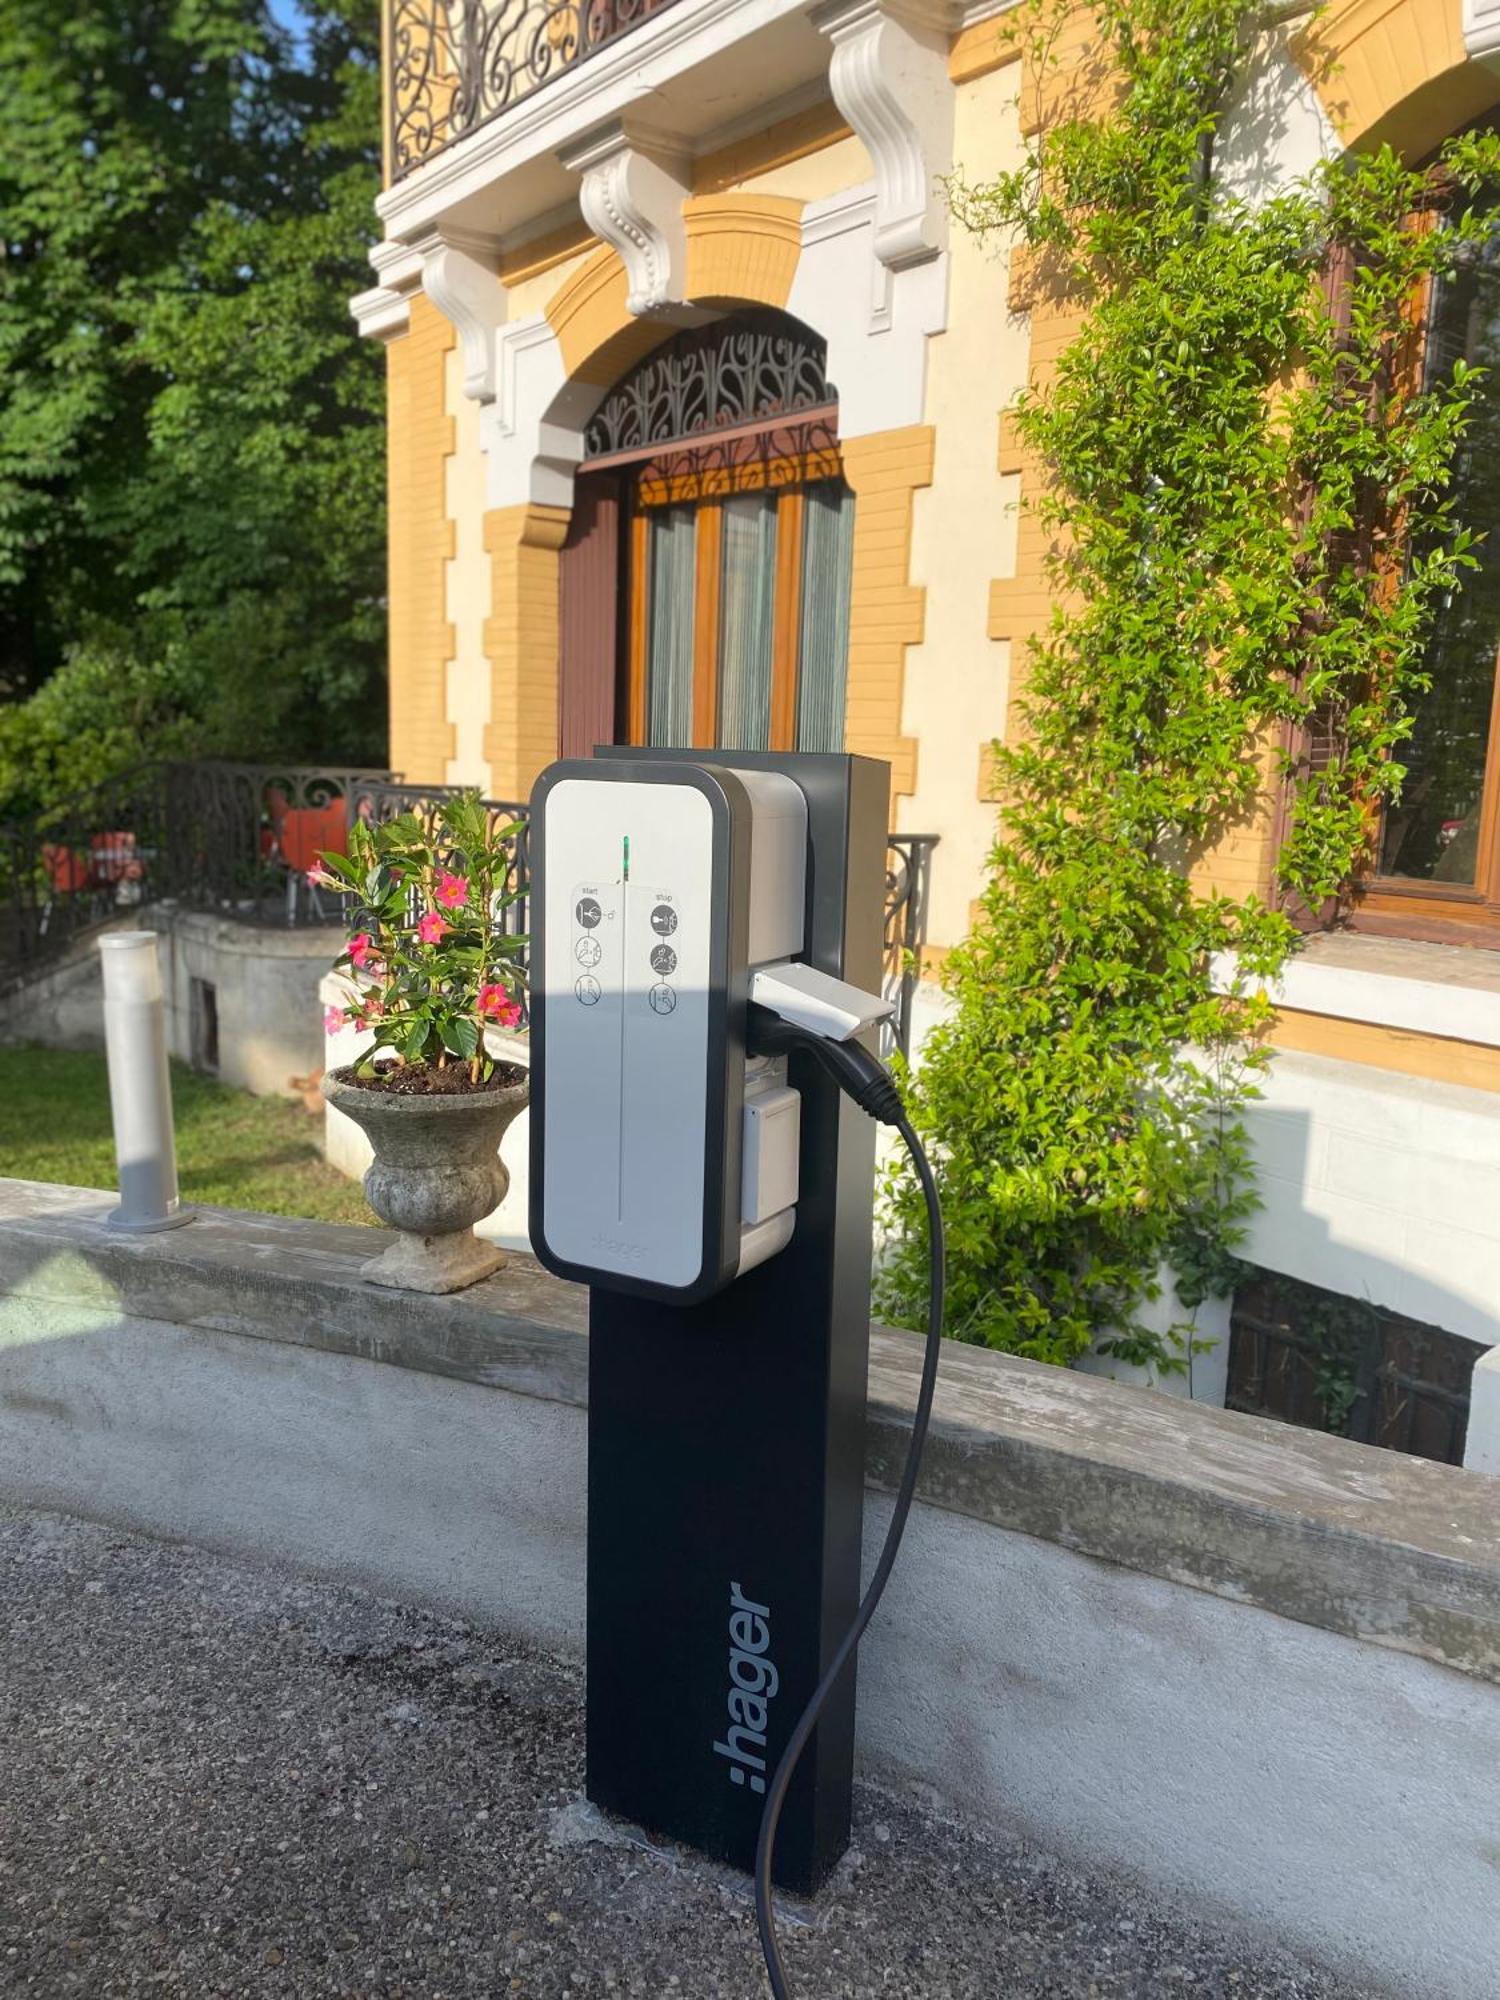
(216, 1781)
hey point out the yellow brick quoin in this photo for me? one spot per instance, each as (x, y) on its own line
(420, 441)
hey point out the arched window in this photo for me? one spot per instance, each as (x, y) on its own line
(1438, 864)
(709, 558)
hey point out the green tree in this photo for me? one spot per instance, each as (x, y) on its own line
(191, 509)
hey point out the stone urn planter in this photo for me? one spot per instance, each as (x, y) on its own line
(437, 1171)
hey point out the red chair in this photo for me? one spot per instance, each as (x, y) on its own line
(300, 835)
(68, 874)
(308, 831)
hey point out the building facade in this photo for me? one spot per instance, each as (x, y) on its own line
(698, 436)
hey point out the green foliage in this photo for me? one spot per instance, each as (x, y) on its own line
(190, 429)
(93, 716)
(1234, 471)
(428, 948)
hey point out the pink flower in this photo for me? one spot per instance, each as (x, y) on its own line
(452, 890)
(495, 1004)
(318, 877)
(361, 949)
(432, 928)
(335, 1018)
(374, 1009)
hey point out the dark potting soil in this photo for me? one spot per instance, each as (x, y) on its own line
(425, 1079)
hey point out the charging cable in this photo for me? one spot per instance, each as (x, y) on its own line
(867, 1080)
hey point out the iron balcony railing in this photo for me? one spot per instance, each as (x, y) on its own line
(238, 841)
(453, 65)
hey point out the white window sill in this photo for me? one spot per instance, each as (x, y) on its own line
(1430, 989)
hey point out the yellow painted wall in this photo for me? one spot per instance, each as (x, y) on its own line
(521, 644)
(419, 440)
(1439, 1058)
(886, 608)
(1395, 71)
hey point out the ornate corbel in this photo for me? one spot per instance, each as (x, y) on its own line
(889, 77)
(634, 185)
(459, 275)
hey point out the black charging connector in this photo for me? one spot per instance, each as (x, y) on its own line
(865, 1079)
(857, 1073)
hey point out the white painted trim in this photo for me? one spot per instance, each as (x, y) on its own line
(876, 361)
(763, 117)
(398, 265)
(837, 214)
(889, 77)
(1482, 31)
(381, 314)
(1455, 1011)
(385, 311)
(460, 274)
(634, 185)
(1482, 1443)
(841, 215)
(623, 74)
(532, 435)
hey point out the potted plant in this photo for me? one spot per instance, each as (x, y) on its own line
(433, 966)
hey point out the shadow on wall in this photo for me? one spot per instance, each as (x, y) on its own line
(1274, 130)
(1384, 1190)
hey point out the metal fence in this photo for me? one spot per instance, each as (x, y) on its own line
(453, 65)
(238, 841)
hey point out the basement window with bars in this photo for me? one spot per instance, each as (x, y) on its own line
(1306, 1355)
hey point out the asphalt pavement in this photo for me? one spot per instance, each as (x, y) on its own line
(220, 1781)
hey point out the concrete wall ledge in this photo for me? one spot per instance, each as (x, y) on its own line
(1394, 1551)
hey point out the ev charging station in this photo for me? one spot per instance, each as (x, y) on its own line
(700, 921)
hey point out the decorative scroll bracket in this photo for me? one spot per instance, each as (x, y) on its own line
(889, 77)
(459, 275)
(634, 185)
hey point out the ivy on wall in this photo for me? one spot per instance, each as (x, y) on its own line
(1245, 490)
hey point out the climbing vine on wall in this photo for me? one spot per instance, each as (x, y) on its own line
(1245, 489)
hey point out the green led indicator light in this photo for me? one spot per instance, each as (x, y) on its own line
(626, 856)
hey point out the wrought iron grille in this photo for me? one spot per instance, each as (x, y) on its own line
(754, 368)
(79, 864)
(237, 840)
(454, 65)
(1314, 1357)
(908, 880)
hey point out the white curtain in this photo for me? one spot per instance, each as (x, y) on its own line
(747, 590)
(669, 666)
(827, 562)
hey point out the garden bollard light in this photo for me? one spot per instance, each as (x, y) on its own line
(140, 1096)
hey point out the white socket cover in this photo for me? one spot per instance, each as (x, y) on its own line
(644, 896)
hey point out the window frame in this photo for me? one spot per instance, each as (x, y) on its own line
(1395, 905)
(1406, 906)
(783, 462)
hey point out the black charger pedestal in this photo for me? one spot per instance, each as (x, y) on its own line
(726, 1451)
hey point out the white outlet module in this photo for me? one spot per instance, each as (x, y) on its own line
(656, 889)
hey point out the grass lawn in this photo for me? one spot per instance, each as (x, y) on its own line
(233, 1150)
